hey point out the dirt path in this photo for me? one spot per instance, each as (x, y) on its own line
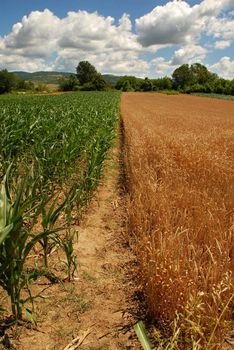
(104, 260)
(98, 303)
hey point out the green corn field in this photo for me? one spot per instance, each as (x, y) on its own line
(52, 149)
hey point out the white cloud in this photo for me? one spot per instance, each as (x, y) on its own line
(87, 31)
(14, 62)
(34, 36)
(79, 36)
(189, 54)
(118, 62)
(111, 48)
(177, 22)
(169, 24)
(43, 41)
(161, 67)
(212, 7)
(222, 28)
(222, 44)
(224, 68)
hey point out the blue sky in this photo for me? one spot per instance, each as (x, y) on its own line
(135, 8)
(140, 37)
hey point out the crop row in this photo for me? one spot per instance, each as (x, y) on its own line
(52, 150)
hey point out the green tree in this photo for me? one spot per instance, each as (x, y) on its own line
(129, 83)
(100, 83)
(8, 81)
(147, 85)
(89, 78)
(164, 83)
(182, 77)
(86, 72)
(70, 84)
(230, 87)
(219, 86)
(201, 74)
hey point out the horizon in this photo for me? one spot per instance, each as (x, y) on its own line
(150, 39)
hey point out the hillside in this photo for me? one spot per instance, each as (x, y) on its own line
(43, 77)
(55, 77)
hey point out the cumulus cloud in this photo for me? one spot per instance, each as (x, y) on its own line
(177, 22)
(161, 67)
(225, 67)
(86, 31)
(221, 28)
(43, 41)
(15, 62)
(34, 36)
(188, 54)
(169, 24)
(90, 36)
(79, 36)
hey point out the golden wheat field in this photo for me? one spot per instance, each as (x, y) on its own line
(179, 159)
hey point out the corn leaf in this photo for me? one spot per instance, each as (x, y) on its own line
(140, 331)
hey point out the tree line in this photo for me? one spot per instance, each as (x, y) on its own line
(186, 79)
(12, 82)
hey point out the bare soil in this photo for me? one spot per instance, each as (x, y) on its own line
(98, 306)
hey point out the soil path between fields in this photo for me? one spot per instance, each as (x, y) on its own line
(105, 260)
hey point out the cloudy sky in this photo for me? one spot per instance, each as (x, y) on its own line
(138, 37)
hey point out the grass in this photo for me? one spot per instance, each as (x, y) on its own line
(219, 96)
(169, 92)
(180, 181)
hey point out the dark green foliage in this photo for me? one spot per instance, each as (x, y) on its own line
(86, 72)
(129, 83)
(197, 78)
(69, 84)
(182, 77)
(111, 79)
(100, 83)
(89, 78)
(10, 81)
(147, 85)
(126, 86)
(164, 83)
(186, 79)
(201, 75)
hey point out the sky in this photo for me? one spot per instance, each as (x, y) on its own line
(145, 38)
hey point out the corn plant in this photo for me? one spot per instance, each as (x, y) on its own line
(61, 142)
(49, 218)
(16, 243)
(66, 243)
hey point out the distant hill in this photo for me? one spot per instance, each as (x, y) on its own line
(111, 79)
(55, 77)
(43, 77)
